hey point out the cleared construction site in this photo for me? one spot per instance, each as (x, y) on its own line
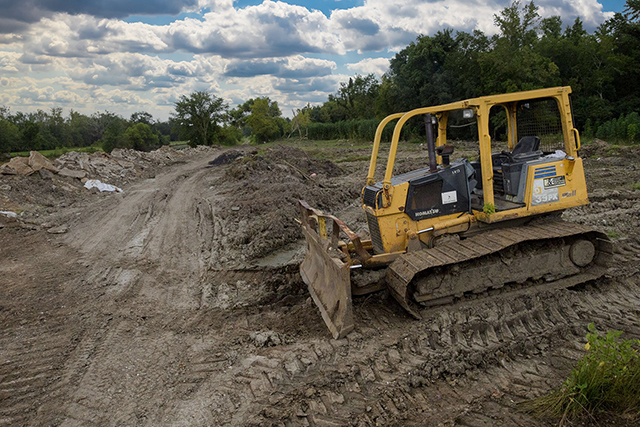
(178, 300)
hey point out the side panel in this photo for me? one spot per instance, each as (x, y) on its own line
(555, 185)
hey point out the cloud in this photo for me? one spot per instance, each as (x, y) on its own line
(270, 29)
(293, 67)
(238, 53)
(377, 66)
(30, 11)
(590, 11)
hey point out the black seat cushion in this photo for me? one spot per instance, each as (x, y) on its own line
(526, 144)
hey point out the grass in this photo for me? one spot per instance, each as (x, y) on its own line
(606, 380)
(613, 234)
(635, 186)
(52, 154)
(179, 143)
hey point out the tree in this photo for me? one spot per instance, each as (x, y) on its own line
(141, 117)
(8, 136)
(518, 27)
(632, 10)
(265, 119)
(140, 136)
(113, 136)
(514, 64)
(199, 117)
(357, 97)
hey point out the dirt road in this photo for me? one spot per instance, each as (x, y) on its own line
(179, 303)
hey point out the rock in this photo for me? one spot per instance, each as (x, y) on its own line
(71, 173)
(21, 165)
(58, 230)
(45, 174)
(7, 170)
(265, 339)
(5, 187)
(37, 162)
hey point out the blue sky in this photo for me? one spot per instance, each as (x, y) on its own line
(141, 55)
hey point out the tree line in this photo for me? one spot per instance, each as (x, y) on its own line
(603, 69)
(528, 52)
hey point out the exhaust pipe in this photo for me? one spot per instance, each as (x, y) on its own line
(431, 143)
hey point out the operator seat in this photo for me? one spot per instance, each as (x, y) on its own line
(528, 148)
(507, 174)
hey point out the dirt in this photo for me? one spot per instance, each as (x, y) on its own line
(178, 302)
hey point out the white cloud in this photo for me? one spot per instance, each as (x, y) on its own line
(377, 66)
(260, 50)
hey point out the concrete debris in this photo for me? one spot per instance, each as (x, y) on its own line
(45, 174)
(37, 162)
(58, 230)
(7, 170)
(20, 165)
(121, 166)
(72, 173)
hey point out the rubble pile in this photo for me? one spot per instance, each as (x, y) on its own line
(120, 167)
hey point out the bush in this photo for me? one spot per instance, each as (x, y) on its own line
(623, 129)
(140, 136)
(607, 379)
(230, 135)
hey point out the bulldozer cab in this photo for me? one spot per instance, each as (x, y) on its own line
(527, 165)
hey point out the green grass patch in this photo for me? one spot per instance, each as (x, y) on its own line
(635, 186)
(606, 380)
(179, 143)
(52, 154)
(613, 234)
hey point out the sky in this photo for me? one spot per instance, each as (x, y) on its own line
(125, 56)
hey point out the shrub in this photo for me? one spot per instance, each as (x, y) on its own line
(607, 379)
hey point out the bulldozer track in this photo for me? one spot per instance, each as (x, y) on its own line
(412, 276)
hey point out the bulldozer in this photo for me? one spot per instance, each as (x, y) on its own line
(465, 228)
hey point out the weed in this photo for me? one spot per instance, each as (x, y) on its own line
(607, 379)
(489, 208)
(613, 234)
(635, 186)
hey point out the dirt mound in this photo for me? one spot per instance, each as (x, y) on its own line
(226, 158)
(266, 186)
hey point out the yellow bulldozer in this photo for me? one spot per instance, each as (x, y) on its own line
(461, 229)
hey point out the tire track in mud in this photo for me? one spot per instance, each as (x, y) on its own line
(456, 345)
(385, 371)
(326, 382)
(40, 328)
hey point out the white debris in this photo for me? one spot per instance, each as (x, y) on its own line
(559, 154)
(9, 214)
(101, 186)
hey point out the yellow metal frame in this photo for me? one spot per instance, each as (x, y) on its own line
(398, 229)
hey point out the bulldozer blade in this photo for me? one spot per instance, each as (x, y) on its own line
(329, 283)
